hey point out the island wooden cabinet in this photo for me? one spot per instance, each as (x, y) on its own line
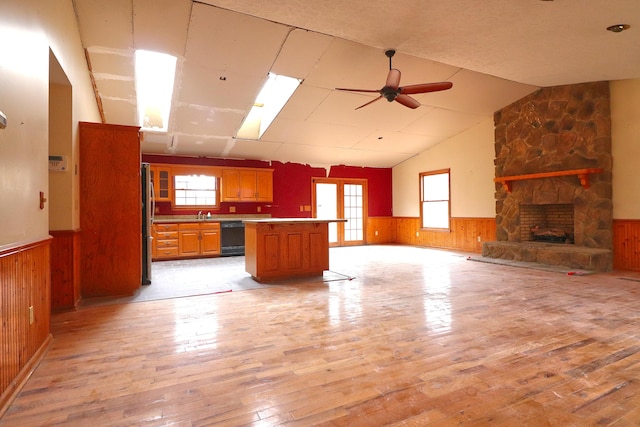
(247, 185)
(278, 249)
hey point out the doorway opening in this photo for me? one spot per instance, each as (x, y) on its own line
(342, 199)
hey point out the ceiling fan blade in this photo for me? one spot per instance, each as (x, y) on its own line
(370, 102)
(407, 101)
(393, 78)
(425, 87)
(358, 90)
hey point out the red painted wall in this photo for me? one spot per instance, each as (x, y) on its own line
(379, 184)
(291, 186)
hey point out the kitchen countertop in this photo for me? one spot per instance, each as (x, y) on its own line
(171, 219)
(290, 220)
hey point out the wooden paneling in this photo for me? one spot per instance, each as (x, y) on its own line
(626, 244)
(406, 229)
(280, 251)
(24, 283)
(380, 230)
(110, 210)
(463, 235)
(65, 269)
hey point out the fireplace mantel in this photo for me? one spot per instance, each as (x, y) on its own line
(583, 175)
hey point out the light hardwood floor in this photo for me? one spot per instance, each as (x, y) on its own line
(417, 337)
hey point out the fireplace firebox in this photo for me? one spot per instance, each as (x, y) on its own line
(552, 223)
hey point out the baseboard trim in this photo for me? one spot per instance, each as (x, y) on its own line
(23, 376)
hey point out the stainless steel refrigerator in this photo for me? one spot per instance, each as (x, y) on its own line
(148, 209)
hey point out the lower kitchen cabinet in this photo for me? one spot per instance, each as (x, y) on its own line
(198, 239)
(186, 240)
(165, 241)
(210, 238)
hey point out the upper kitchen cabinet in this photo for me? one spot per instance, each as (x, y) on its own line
(161, 178)
(247, 185)
(110, 210)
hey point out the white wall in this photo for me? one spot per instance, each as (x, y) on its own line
(470, 156)
(29, 28)
(625, 135)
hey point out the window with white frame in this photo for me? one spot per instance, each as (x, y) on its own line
(195, 191)
(434, 199)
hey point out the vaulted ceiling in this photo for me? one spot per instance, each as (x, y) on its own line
(494, 52)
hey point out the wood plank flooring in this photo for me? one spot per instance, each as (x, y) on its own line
(418, 337)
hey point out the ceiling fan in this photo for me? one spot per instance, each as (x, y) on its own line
(392, 91)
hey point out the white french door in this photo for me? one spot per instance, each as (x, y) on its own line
(343, 199)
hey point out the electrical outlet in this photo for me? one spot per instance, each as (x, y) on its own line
(232, 209)
(31, 315)
(417, 234)
(376, 232)
(479, 239)
(259, 209)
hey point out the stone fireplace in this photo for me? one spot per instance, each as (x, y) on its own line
(542, 142)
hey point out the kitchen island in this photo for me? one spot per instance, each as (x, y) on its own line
(283, 248)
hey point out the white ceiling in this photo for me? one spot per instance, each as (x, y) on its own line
(494, 52)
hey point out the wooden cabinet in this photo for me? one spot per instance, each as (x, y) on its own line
(278, 250)
(247, 185)
(110, 210)
(162, 185)
(210, 238)
(264, 185)
(165, 241)
(186, 240)
(198, 239)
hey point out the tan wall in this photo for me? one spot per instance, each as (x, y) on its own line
(35, 28)
(472, 172)
(61, 195)
(470, 156)
(625, 136)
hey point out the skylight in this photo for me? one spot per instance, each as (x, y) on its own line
(155, 74)
(272, 97)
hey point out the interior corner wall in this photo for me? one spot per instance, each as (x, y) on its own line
(625, 148)
(469, 155)
(35, 27)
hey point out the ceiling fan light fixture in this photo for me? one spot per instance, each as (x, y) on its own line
(618, 28)
(392, 91)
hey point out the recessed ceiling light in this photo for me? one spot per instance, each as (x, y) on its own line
(618, 28)
(155, 77)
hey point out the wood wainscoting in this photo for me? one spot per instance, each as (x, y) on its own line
(25, 314)
(65, 269)
(463, 235)
(626, 244)
(380, 230)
